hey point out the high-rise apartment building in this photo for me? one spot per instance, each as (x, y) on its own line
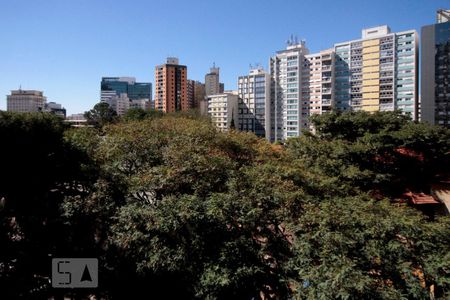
(191, 92)
(317, 85)
(212, 82)
(286, 68)
(25, 101)
(378, 72)
(223, 110)
(122, 93)
(171, 92)
(435, 77)
(199, 93)
(254, 102)
(196, 93)
(302, 85)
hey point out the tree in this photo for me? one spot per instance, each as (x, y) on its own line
(101, 115)
(39, 169)
(357, 248)
(139, 114)
(381, 152)
(174, 209)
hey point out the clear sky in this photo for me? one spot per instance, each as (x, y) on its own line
(64, 47)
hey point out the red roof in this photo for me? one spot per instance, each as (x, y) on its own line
(411, 153)
(421, 198)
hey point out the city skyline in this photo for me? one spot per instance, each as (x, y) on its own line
(58, 47)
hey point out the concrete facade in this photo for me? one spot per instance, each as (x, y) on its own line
(223, 110)
(25, 101)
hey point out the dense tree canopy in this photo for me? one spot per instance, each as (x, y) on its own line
(174, 209)
(100, 115)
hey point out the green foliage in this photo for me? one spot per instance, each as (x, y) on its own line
(351, 125)
(139, 114)
(175, 209)
(101, 115)
(381, 151)
(355, 248)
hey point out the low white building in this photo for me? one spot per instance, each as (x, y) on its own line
(76, 120)
(223, 110)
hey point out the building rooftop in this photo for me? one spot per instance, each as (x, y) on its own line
(27, 92)
(443, 15)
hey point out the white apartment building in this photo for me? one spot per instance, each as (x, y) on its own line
(223, 110)
(254, 102)
(286, 69)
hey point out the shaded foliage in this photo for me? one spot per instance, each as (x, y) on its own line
(174, 209)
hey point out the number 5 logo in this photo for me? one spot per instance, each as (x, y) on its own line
(60, 272)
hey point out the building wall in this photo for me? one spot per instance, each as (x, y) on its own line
(171, 88)
(254, 101)
(427, 104)
(199, 94)
(435, 79)
(406, 73)
(25, 101)
(286, 69)
(378, 72)
(442, 73)
(191, 92)
(119, 103)
(223, 110)
(212, 82)
(116, 90)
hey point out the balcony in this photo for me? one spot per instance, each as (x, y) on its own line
(326, 91)
(386, 107)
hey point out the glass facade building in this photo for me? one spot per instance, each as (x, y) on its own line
(254, 100)
(127, 85)
(435, 104)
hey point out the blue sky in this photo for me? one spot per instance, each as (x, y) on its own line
(64, 47)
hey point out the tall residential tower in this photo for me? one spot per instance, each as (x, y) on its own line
(171, 86)
(435, 79)
(212, 82)
(286, 69)
(378, 72)
(254, 102)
